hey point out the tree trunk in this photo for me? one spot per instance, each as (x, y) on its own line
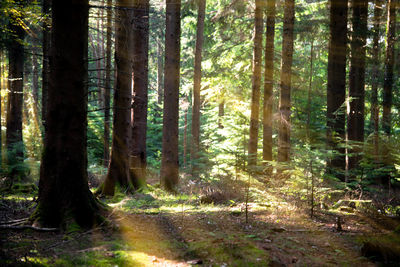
(389, 65)
(375, 76)
(221, 113)
(336, 89)
(107, 93)
(118, 170)
(46, 42)
(355, 126)
(63, 187)
(160, 69)
(138, 155)
(170, 162)
(1, 90)
(256, 83)
(285, 86)
(310, 91)
(268, 81)
(197, 86)
(15, 155)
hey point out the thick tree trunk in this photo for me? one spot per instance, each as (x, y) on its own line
(336, 91)
(170, 162)
(375, 76)
(138, 155)
(63, 187)
(197, 86)
(285, 86)
(355, 126)
(256, 83)
(107, 93)
(268, 81)
(15, 155)
(118, 171)
(389, 65)
(46, 42)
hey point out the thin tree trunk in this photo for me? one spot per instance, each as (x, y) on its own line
(389, 65)
(336, 89)
(197, 86)
(107, 93)
(170, 162)
(256, 83)
(221, 113)
(310, 91)
(15, 103)
(185, 137)
(46, 42)
(138, 162)
(160, 69)
(1, 90)
(375, 77)
(118, 170)
(285, 86)
(64, 195)
(268, 81)
(355, 126)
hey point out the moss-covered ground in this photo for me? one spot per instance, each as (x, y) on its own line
(154, 228)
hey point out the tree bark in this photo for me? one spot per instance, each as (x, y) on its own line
(138, 162)
(336, 89)
(389, 65)
(15, 155)
(355, 126)
(1, 89)
(64, 194)
(46, 43)
(256, 83)
(107, 92)
(285, 86)
(375, 76)
(268, 81)
(118, 171)
(170, 162)
(197, 86)
(160, 69)
(221, 113)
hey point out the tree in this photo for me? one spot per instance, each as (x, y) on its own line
(268, 81)
(355, 126)
(285, 85)
(107, 92)
(389, 65)
(118, 170)
(170, 163)
(140, 86)
(376, 74)
(16, 57)
(46, 39)
(197, 85)
(64, 194)
(256, 83)
(336, 91)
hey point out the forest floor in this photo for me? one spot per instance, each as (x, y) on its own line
(153, 228)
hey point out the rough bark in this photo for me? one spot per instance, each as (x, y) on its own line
(170, 162)
(355, 126)
(138, 155)
(268, 81)
(197, 86)
(375, 75)
(46, 42)
(64, 194)
(107, 92)
(285, 85)
(256, 84)
(118, 171)
(15, 152)
(336, 89)
(389, 65)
